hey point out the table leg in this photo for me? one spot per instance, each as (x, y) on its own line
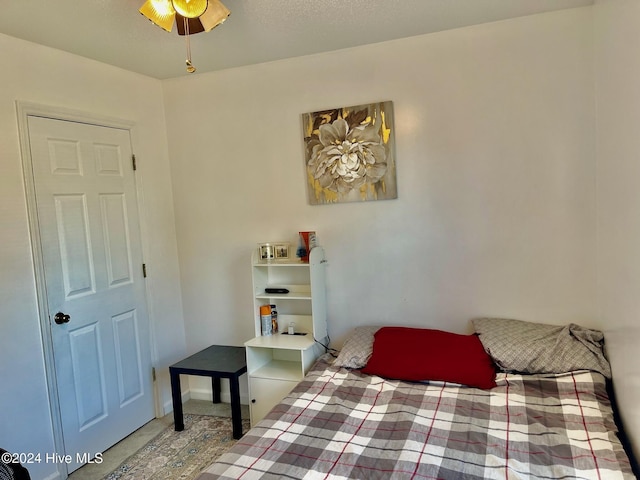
(215, 387)
(236, 411)
(176, 396)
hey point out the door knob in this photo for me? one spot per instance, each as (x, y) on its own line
(61, 318)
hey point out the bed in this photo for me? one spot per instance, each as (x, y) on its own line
(490, 408)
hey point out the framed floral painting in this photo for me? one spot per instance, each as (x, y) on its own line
(350, 154)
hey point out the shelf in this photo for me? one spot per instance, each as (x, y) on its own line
(281, 264)
(284, 296)
(276, 363)
(280, 370)
(281, 341)
(296, 292)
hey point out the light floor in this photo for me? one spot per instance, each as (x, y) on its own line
(117, 454)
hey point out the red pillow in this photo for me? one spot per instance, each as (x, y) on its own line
(418, 354)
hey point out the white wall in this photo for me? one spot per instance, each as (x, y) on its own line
(496, 175)
(496, 180)
(618, 77)
(49, 77)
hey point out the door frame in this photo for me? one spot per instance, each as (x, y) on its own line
(24, 110)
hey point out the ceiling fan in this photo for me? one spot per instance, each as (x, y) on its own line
(190, 17)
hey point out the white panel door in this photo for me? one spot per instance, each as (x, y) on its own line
(88, 222)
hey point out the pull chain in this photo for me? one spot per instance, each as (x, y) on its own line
(190, 67)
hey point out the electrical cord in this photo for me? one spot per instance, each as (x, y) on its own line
(331, 351)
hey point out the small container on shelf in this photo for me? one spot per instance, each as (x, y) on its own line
(307, 241)
(266, 320)
(274, 319)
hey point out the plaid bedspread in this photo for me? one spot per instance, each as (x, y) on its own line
(339, 424)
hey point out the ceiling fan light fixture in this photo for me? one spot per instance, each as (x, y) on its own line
(160, 12)
(191, 16)
(215, 14)
(190, 8)
(191, 27)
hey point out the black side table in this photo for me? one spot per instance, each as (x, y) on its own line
(216, 361)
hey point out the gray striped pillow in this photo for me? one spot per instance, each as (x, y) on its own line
(527, 347)
(358, 348)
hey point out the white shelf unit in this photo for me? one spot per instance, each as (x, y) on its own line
(277, 362)
(305, 304)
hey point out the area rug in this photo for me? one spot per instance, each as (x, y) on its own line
(181, 455)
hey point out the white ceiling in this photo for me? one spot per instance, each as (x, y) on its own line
(113, 32)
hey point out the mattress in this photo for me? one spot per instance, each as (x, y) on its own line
(340, 423)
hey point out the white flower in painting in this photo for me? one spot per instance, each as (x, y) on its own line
(347, 158)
